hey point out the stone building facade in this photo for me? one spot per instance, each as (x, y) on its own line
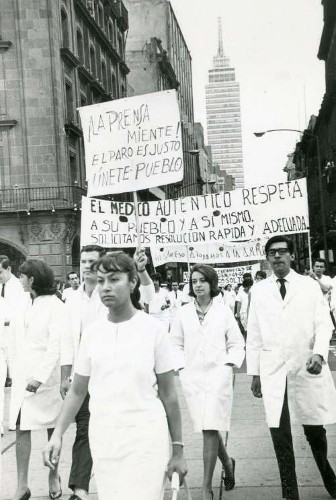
(55, 56)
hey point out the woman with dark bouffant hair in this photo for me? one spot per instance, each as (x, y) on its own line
(35, 398)
(126, 364)
(207, 345)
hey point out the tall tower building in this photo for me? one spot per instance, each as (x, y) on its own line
(223, 116)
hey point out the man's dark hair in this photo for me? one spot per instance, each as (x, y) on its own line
(4, 262)
(319, 259)
(247, 282)
(279, 239)
(94, 248)
(72, 272)
(261, 274)
(156, 277)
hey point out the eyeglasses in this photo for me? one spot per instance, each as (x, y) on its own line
(280, 251)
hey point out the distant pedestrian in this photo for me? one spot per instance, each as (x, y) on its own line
(242, 304)
(289, 329)
(126, 364)
(74, 284)
(207, 345)
(159, 306)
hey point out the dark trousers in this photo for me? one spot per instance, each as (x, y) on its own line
(81, 456)
(283, 447)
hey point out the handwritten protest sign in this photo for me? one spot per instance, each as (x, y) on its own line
(231, 275)
(253, 250)
(133, 143)
(240, 215)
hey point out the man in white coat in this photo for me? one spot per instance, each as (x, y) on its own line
(85, 307)
(289, 329)
(12, 296)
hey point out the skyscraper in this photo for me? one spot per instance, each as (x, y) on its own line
(223, 115)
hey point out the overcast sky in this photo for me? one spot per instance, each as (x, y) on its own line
(273, 46)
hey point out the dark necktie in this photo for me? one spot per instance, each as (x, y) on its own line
(176, 294)
(3, 290)
(282, 287)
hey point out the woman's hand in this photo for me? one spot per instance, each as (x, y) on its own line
(52, 451)
(33, 385)
(177, 464)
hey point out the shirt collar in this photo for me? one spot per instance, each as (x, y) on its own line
(289, 277)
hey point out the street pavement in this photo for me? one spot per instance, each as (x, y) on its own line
(257, 476)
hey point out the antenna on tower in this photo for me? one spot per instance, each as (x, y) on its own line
(220, 38)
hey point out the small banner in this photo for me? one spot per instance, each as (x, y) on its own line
(230, 275)
(253, 250)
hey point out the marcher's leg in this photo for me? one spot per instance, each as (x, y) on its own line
(23, 448)
(283, 447)
(3, 374)
(54, 477)
(316, 437)
(210, 454)
(81, 456)
(223, 456)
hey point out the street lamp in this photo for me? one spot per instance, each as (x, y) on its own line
(319, 168)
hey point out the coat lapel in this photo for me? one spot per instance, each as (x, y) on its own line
(292, 289)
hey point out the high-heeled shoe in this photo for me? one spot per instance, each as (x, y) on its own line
(229, 480)
(58, 493)
(26, 495)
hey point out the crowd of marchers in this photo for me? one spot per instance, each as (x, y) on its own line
(105, 353)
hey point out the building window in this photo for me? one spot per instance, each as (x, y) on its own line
(65, 29)
(80, 46)
(111, 32)
(73, 166)
(69, 102)
(101, 16)
(104, 75)
(120, 46)
(114, 86)
(92, 61)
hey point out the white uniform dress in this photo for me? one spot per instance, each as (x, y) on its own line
(203, 350)
(38, 332)
(128, 433)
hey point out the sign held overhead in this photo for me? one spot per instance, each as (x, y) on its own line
(133, 143)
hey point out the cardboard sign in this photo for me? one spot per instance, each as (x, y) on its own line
(253, 250)
(230, 275)
(240, 215)
(133, 143)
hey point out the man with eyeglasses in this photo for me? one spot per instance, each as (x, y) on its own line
(289, 329)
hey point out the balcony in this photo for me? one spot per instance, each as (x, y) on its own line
(40, 198)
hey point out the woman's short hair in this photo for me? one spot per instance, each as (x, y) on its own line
(210, 277)
(44, 279)
(119, 261)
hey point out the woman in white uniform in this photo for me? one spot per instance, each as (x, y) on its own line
(35, 394)
(208, 344)
(126, 364)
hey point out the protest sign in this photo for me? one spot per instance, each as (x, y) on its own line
(253, 250)
(240, 215)
(230, 275)
(133, 143)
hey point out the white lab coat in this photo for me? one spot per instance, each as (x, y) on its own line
(282, 335)
(38, 329)
(203, 351)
